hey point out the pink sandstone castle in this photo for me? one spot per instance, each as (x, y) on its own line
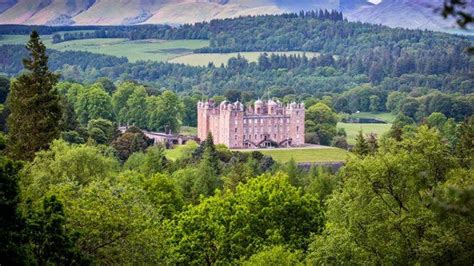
(266, 124)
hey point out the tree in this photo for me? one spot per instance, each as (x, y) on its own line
(374, 103)
(383, 213)
(94, 103)
(276, 255)
(164, 194)
(267, 210)
(394, 101)
(361, 147)
(209, 170)
(12, 240)
(101, 131)
(132, 140)
(34, 104)
(189, 111)
(165, 112)
(107, 84)
(51, 243)
(436, 120)
(465, 142)
(154, 161)
(321, 121)
(4, 88)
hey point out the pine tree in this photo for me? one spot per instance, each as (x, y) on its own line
(209, 170)
(34, 105)
(50, 241)
(12, 246)
(361, 147)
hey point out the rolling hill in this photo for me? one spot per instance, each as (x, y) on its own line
(395, 13)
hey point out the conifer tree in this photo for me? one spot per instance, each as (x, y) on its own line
(361, 147)
(209, 170)
(34, 105)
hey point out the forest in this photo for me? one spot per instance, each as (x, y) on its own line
(75, 190)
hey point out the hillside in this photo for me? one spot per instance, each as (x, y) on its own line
(417, 14)
(412, 14)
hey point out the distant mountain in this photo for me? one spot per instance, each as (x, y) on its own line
(395, 13)
(413, 14)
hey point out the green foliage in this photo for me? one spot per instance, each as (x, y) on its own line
(361, 147)
(164, 193)
(165, 112)
(154, 161)
(383, 213)
(209, 169)
(265, 211)
(129, 102)
(133, 140)
(276, 255)
(321, 124)
(101, 131)
(79, 164)
(465, 143)
(12, 246)
(50, 241)
(4, 88)
(35, 110)
(436, 120)
(94, 103)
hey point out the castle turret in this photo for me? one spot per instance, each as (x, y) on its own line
(296, 112)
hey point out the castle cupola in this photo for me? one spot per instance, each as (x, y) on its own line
(223, 105)
(258, 106)
(272, 107)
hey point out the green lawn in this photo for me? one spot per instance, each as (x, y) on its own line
(188, 131)
(218, 58)
(155, 50)
(387, 117)
(353, 129)
(308, 155)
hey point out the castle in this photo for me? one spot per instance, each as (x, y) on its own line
(265, 124)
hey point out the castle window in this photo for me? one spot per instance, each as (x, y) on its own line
(235, 130)
(297, 112)
(255, 136)
(235, 137)
(236, 122)
(275, 136)
(297, 129)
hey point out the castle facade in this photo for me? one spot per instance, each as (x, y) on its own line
(265, 124)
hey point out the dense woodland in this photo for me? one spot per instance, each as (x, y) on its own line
(77, 191)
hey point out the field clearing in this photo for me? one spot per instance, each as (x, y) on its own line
(387, 117)
(353, 129)
(218, 59)
(188, 131)
(308, 155)
(154, 50)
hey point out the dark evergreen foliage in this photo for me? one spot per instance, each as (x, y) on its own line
(34, 104)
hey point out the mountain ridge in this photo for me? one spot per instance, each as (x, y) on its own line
(415, 14)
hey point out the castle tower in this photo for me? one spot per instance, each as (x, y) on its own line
(296, 112)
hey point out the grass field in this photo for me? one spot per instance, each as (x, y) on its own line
(308, 155)
(300, 155)
(173, 51)
(155, 50)
(353, 129)
(187, 131)
(387, 117)
(218, 59)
